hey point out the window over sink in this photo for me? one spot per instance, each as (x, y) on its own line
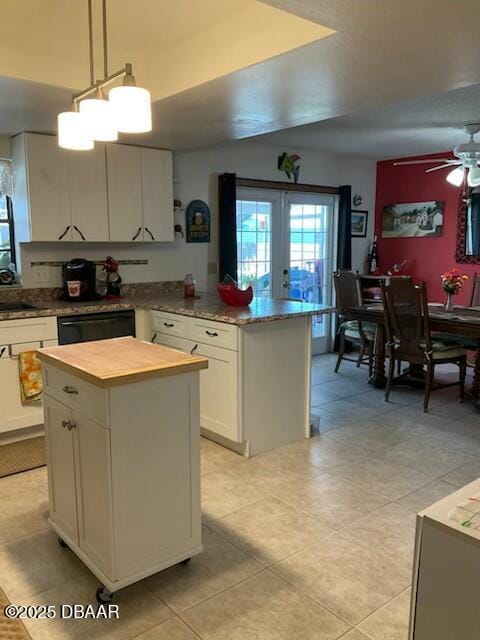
(7, 237)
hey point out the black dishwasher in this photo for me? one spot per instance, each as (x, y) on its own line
(86, 327)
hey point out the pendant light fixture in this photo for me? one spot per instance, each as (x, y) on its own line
(92, 117)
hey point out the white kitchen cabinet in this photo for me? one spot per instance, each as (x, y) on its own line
(124, 179)
(17, 336)
(255, 394)
(125, 486)
(60, 465)
(157, 195)
(41, 189)
(114, 192)
(87, 179)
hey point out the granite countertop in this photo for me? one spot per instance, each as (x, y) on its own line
(207, 306)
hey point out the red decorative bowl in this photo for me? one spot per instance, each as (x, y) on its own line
(235, 297)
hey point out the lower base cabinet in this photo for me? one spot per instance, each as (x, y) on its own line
(125, 494)
(255, 394)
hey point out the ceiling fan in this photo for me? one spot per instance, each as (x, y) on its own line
(467, 159)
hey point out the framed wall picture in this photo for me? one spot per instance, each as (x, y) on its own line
(359, 224)
(413, 220)
(198, 221)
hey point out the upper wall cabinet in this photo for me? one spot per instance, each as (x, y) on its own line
(140, 194)
(112, 193)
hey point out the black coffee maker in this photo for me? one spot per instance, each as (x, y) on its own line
(79, 280)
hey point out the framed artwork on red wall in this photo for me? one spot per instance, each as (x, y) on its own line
(413, 220)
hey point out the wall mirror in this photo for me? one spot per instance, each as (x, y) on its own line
(468, 227)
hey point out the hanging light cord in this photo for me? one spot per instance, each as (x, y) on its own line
(105, 48)
(95, 87)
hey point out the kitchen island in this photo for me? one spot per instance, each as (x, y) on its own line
(123, 457)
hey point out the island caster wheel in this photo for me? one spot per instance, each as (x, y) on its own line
(186, 561)
(62, 543)
(103, 595)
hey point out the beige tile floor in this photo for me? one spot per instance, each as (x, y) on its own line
(309, 542)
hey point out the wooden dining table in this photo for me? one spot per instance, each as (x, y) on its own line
(461, 321)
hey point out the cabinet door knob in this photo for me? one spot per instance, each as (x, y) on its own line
(79, 232)
(137, 234)
(70, 390)
(71, 425)
(150, 233)
(65, 423)
(61, 236)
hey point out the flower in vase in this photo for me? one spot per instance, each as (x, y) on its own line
(453, 281)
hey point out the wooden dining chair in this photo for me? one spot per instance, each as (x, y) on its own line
(409, 339)
(355, 332)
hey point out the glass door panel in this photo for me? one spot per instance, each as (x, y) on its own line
(308, 257)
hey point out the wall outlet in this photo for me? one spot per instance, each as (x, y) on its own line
(41, 274)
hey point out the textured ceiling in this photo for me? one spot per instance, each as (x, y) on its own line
(383, 52)
(406, 128)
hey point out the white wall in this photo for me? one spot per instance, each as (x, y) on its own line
(196, 176)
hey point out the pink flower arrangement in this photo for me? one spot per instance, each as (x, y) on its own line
(453, 281)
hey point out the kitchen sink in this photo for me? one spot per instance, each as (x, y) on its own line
(15, 306)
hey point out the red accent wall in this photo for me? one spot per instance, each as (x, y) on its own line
(427, 257)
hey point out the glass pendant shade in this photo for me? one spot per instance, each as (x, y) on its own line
(98, 119)
(132, 109)
(474, 176)
(72, 133)
(455, 177)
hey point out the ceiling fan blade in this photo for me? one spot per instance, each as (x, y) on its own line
(405, 162)
(443, 166)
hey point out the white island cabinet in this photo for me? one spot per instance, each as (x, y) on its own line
(122, 433)
(255, 394)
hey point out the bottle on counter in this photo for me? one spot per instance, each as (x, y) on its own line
(189, 286)
(373, 257)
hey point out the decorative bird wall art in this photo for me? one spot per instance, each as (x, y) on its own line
(288, 163)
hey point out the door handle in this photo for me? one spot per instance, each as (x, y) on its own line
(137, 234)
(79, 233)
(149, 232)
(70, 390)
(192, 351)
(61, 236)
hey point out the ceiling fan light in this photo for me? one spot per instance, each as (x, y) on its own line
(474, 176)
(455, 177)
(98, 119)
(131, 109)
(72, 133)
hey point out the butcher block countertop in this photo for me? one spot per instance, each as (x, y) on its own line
(120, 360)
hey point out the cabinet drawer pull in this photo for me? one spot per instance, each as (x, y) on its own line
(61, 236)
(71, 425)
(70, 390)
(137, 234)
(2, 351)
(154, 337)
(212, 334)
(79, 232)
(168, 324)
(65, 423)
(150, 233)
(194, 349)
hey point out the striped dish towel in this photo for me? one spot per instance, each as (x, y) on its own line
(30, 376)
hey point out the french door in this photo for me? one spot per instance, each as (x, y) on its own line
(285, 246)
